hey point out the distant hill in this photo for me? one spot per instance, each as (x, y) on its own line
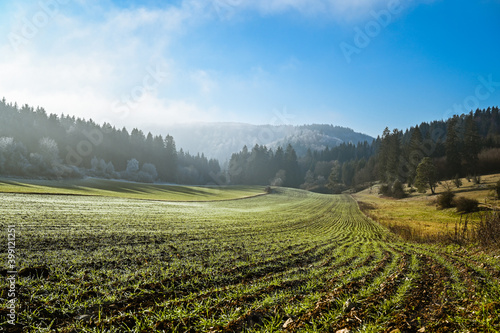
(220, 140)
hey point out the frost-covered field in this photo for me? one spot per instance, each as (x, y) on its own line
(290, 260)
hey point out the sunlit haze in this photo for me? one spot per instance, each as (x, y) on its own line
(363, 64)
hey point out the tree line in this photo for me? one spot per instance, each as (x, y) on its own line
(35, 144)
(262, 166)
(466, 145)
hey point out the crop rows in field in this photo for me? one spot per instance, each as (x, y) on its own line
(288, 261)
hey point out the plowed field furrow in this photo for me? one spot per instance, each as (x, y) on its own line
(356, 281)
(289, 261)
(429, 302)
(366, 305)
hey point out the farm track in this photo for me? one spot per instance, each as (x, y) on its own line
(290, 261)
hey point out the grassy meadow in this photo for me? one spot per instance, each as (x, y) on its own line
(288, 261)
(420, 211)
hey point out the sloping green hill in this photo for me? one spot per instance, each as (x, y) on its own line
(123, 189)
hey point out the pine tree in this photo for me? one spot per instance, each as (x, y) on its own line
(291, 167)
(414, 154)
(383, 154)
(472, 145)
(426, 176)
(171, 158)
(348, 172)
(334, 178)
(279, 159)
(393, 154)
(453, 159)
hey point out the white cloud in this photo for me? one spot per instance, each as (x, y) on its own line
(90, 54)
(80, 66)
(204, 80)
(343, 10)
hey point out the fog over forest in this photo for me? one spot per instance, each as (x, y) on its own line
(323, 158)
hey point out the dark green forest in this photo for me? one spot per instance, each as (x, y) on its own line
(263, 166)
(35, 144)
(462, 146)
(40, 145)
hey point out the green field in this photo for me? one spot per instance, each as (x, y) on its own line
(131, 190)
(286, 261)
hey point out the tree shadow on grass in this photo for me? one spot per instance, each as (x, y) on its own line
(13, 183)
(141, 188)
(87, 186)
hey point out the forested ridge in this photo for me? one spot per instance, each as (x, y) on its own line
(464, 145)
(36, 144)
(221, 139)
(40, 145)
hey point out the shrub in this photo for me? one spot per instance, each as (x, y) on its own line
(385, 190)
(466, 205)
(488, 229)
(398, 190)
(497, 189)
(485, 232)
(445, 200)
(457, 181)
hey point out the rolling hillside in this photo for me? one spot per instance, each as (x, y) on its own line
(220, 140)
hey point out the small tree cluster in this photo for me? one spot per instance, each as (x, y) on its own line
(395, 190)
(146, 174)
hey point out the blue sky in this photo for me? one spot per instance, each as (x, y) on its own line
(365, 64)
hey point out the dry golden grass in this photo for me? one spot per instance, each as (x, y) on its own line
(420, 213)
